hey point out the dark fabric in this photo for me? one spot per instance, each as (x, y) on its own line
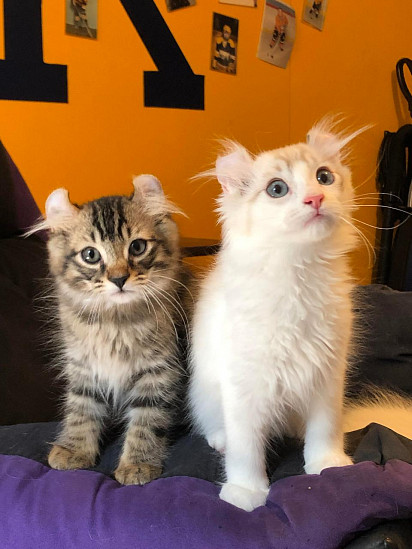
(18, 210)
(191, 456)
(395, 534)
(384, 349)
(28, 390)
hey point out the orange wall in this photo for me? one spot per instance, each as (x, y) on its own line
(94, 144)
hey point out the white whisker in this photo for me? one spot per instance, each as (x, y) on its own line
(152, 293)
(175, 304)
(368, 245)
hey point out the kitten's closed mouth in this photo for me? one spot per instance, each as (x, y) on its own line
(122, 296)
(315, 218)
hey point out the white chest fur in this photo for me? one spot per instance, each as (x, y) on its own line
(284, 327)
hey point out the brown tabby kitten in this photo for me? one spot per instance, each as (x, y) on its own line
(120, 282)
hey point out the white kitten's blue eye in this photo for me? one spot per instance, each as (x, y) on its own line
(90, 255)
(137, 247)
(325, 176)
(277, 188)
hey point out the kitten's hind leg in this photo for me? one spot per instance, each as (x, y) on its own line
(77, 445)
(206, 405)
(324, 433)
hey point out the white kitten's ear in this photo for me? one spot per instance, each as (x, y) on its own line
(146, 185)
(327, 141)
(234, 169)
(59, 210)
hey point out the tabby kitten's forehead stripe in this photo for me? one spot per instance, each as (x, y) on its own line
(108, 217)
(120, 352)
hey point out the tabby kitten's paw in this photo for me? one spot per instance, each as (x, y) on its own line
(63, 458)
(243, 497)
(332, 459)
(139, 473)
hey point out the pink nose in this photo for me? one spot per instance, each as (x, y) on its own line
(314, 200)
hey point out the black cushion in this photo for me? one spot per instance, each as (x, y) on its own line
(28, 390)
(383, 355)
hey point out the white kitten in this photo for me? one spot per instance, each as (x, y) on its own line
(272, 326)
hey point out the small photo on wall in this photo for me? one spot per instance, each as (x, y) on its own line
(224, 43)
(314, 13)
(277, 34)
(247, 3)
(81, 18)
(173, 5)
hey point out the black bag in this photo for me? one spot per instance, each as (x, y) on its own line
(394, 240)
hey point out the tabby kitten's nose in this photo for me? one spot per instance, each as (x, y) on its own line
(119, 281)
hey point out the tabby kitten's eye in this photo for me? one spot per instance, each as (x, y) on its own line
(137, 247)
(277, 188)
(91, 255)
(325, 176)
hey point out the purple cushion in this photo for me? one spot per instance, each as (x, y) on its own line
(41, 507)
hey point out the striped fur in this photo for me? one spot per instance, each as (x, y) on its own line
(120, 348)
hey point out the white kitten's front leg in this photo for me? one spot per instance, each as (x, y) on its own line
(246, 483)
(324, 434)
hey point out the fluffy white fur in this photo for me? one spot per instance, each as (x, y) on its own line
(272, 326)
(380, 406)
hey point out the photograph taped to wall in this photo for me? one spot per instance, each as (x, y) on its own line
(224, 43)
(247, 3)
(277, 34)
(173, 5)
(314, 13)
(81, 18)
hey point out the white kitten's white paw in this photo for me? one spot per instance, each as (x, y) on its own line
(243, 497)
(217, 440)
(332, 459)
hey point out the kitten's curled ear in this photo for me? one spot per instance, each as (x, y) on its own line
(324, 138)
(234, 168)
(146, 185)
(149, 192)
(60, 213)
(59, 210)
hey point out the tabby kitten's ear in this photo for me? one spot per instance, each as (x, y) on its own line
(149, 192)
(146, 185)
(59, 210)
(234, 168)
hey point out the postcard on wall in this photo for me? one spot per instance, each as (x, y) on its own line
(314, 13)
(247, 3)
(277, 34)
(81, 18)
(173, 5)
(224, 43)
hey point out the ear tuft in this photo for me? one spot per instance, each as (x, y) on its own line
(331, 143)
(147, 184)
(148, 191)
(234, 168)
(59, 209)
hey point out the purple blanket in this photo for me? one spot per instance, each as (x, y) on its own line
(48, 509)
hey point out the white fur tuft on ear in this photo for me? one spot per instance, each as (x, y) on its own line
(234, 168)
(323, 137)
(58, 206)
(148, 191)
(147, 184)
(60, 212)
